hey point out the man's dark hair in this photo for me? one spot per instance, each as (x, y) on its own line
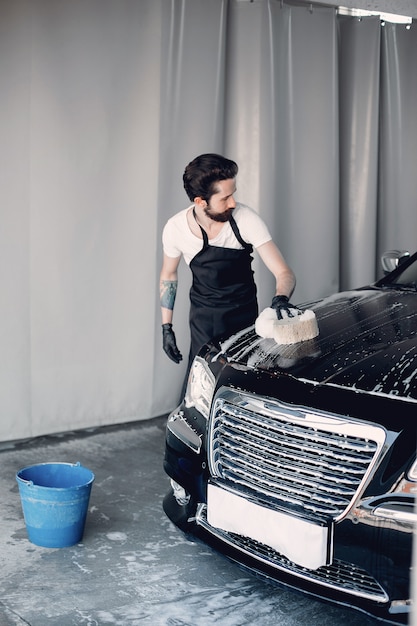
(201, 175)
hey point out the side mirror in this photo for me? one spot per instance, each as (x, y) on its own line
(392, 259)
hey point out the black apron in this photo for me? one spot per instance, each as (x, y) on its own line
(223, 291)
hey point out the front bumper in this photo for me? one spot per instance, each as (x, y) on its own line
(372, 547)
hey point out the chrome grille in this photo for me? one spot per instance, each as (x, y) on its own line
(340, 575)
(306, 461)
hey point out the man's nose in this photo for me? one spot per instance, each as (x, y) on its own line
(232, 203)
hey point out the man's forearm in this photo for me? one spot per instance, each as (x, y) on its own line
(167, 293)
(285, 284)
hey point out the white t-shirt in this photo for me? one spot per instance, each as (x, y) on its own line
(177, 238)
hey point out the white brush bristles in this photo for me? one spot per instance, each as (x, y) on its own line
(264, 323)
(289, 330)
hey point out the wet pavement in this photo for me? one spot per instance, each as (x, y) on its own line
(133, 567)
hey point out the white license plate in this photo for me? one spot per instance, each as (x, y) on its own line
(301, 541)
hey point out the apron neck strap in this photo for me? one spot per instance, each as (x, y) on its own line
(237, 233)
(203, 232)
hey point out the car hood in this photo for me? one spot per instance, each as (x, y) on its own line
(367, 341)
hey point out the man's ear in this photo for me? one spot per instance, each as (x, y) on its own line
(198, 201)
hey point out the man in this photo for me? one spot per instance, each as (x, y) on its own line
(216, 236)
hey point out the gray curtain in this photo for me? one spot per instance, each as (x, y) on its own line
(103, 104)
(359, 91)
(397, 211)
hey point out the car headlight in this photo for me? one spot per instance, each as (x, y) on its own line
(200, 387)
(412, 472)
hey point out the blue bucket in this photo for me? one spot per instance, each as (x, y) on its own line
(55, 499)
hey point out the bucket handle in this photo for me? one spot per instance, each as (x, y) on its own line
(28, 483)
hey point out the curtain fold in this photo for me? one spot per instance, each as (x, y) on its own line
(103, 105)
(15, 374)
(193, 59)
(359, 71)
(307, 158)
(397, 213)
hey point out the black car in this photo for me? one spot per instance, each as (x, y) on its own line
(299, 460)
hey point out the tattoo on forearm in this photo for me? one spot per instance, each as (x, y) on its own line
(168, 292)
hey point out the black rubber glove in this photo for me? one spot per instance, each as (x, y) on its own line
(169, 343)
(284, 308)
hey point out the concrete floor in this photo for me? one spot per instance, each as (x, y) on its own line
(133, 567)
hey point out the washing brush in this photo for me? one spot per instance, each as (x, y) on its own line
(287, 330)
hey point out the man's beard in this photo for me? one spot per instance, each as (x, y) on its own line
(218, 217)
